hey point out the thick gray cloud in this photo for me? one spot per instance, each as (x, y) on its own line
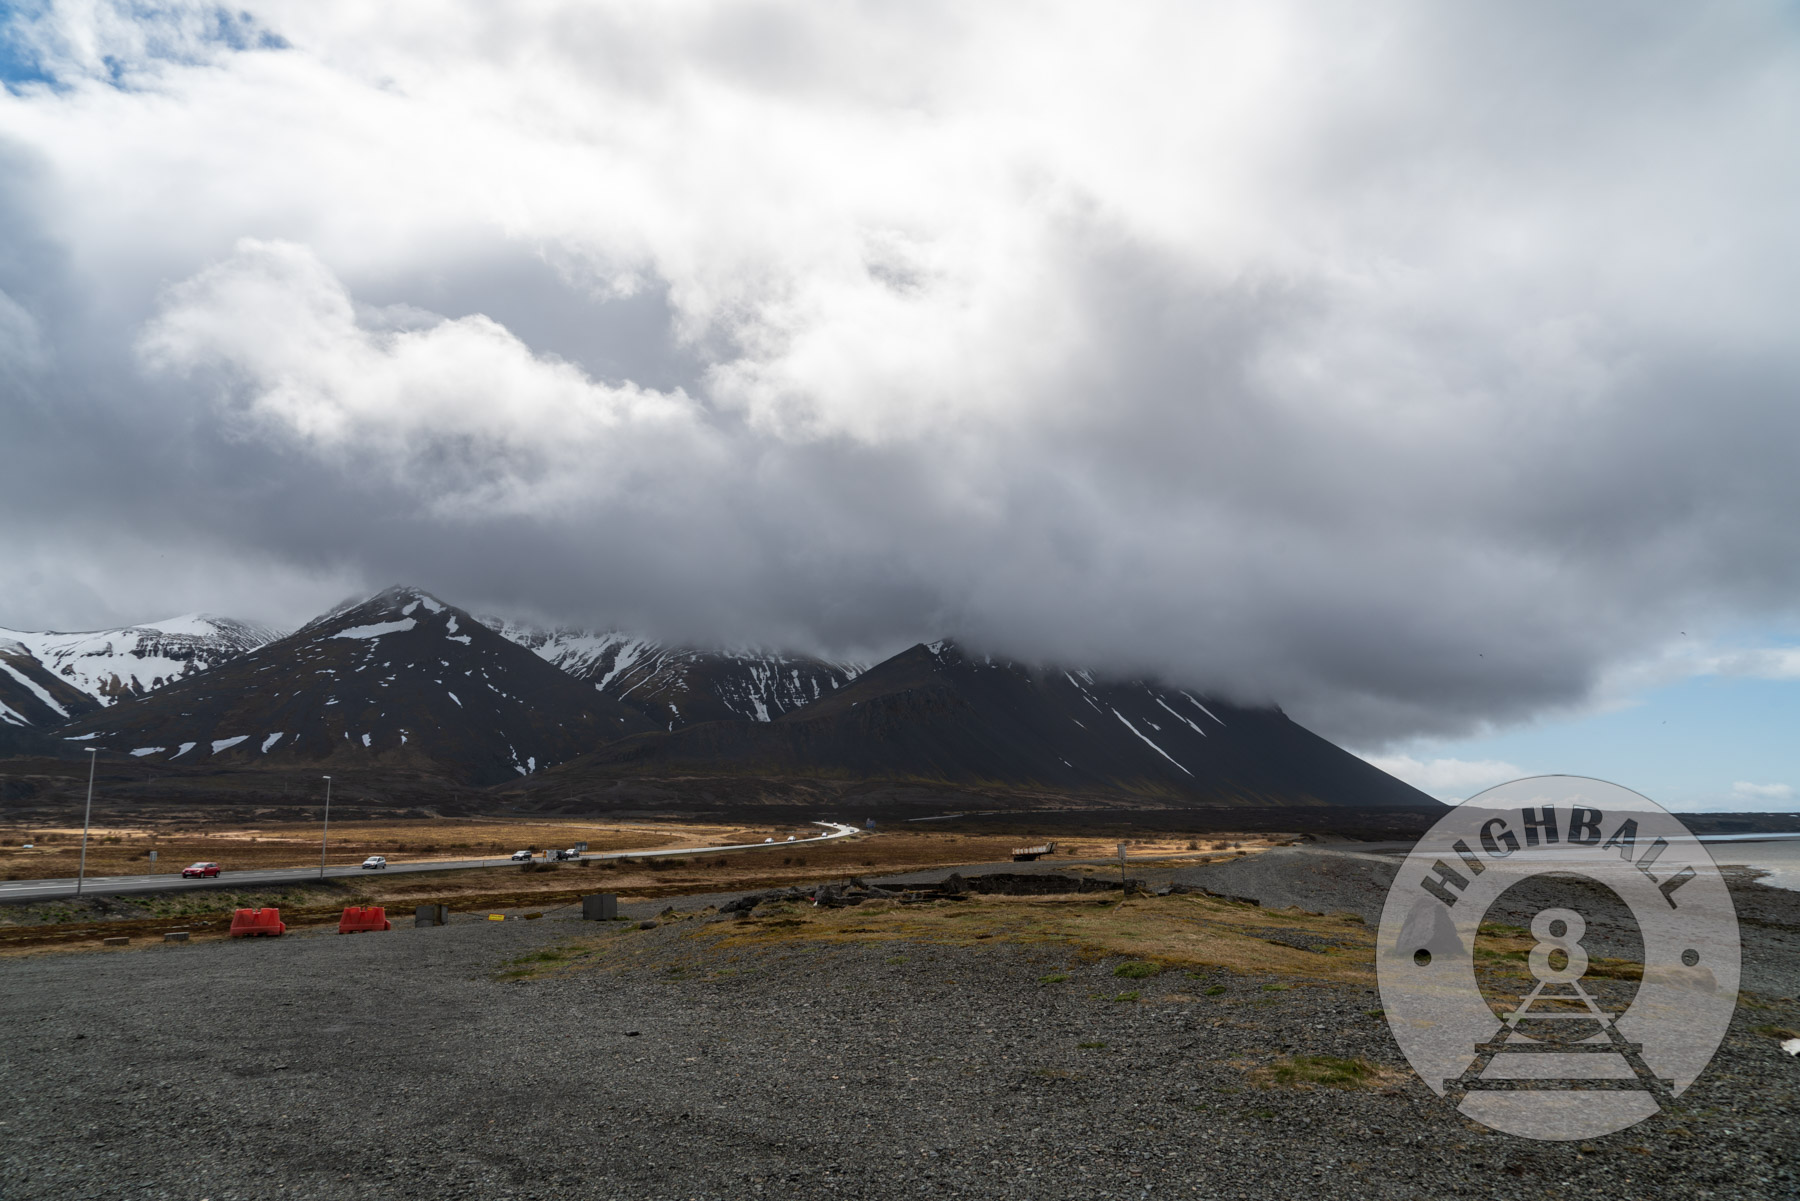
(1418, 367)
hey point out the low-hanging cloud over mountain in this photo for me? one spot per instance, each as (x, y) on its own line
(1415, 366)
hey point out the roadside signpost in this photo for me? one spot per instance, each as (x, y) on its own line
(325, 834)
(1121, 873)
(87, 819)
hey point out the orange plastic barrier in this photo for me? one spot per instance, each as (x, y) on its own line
(358, 920)
(248, 922)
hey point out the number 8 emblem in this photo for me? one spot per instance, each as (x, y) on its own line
(1567, 940)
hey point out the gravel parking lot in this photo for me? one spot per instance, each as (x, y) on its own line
(407, 1064)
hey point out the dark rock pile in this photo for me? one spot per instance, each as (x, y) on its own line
(955, 887)
(1179, 889)
(1012, 884)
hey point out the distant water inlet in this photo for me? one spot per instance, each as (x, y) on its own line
(1778, 855)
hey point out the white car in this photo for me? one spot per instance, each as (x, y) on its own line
(375, 861)
(790, 838)
(521, 856)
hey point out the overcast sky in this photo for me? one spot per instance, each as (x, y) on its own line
(1428, 368)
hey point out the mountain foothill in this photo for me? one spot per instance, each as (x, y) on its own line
(403, 685)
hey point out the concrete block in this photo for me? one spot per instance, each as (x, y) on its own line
(118, 940)
(431, 915)
(175, 936)
(601, 907)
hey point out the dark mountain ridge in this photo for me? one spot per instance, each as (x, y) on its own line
(400, 679)
(937, 715)
(680, 686)
(403, 684)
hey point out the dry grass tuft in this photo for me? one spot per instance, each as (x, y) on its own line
(1324, 1071)
(1501, 952)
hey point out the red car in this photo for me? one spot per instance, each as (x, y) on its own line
(200, 869)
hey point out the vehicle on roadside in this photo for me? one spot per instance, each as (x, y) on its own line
(521, 856)
(563, 855)
(199, 870)
(375, 861)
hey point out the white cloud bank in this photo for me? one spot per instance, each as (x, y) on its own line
(461, 410)
(1448, 779)
(1418, 366)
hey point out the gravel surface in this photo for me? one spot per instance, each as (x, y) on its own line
(400, 1065)
(1323, 880)
(1320, 880)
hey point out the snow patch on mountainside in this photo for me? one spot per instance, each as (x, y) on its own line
(1146, 739)
(1181, 716)
(110, 664)
(695, 684)
(378, 629)
(585, 654)
(35, 688)
(1202, 708)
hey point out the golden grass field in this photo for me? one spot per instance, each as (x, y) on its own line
(1175, 932)
(1160, 936)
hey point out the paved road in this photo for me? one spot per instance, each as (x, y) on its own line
(45, 890)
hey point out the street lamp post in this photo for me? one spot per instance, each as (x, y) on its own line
(86, 819)
(325, 836)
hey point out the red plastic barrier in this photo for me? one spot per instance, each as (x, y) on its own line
(249, 922)
(357, 920)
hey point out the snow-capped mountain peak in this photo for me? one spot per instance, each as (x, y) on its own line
(400, 599)
(108, 665)
(397, 679)
(681, 686)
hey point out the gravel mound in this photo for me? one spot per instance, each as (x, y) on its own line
(1321, 881)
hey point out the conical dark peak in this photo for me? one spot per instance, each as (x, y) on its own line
(396, 603)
